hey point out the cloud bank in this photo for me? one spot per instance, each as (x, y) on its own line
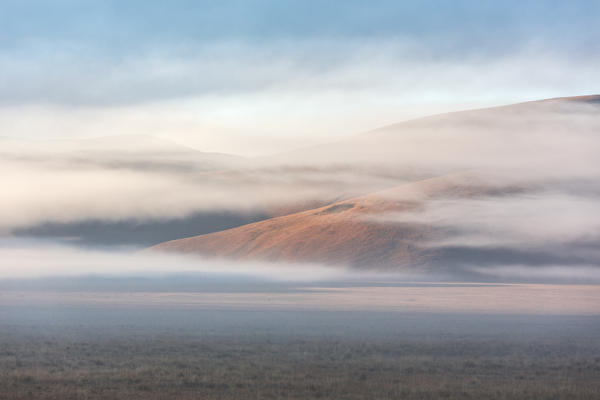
(550, 147)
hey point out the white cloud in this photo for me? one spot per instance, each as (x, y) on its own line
(215, 96)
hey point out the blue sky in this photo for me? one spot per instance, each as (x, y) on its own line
(285, 73)
(132, 23)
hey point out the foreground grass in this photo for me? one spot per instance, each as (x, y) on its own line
(41, 366)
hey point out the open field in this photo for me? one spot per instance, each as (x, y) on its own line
(364, 296)
(246, 366)
(160, 350)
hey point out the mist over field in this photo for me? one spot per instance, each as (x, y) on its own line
(518, 196)
(258, 199)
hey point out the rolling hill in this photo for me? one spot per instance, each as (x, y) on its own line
(501, 152)
(357, 232)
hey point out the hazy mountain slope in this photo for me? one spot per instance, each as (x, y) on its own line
(482, 138)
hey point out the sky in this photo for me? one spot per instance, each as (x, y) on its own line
(259, 77)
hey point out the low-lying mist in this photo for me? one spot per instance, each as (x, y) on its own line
(24, 262)
(36, 259)
(524, 207)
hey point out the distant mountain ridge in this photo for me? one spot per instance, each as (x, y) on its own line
(123, 151)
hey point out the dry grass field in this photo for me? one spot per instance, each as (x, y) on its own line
(266, 367)
(133, 352)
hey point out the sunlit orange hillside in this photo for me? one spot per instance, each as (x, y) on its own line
(355, 232)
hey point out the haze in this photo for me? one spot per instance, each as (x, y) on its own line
(299, 199)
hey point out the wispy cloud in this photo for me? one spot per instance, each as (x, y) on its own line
(382, 68)
(214, 75)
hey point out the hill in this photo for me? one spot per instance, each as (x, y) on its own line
(546, 148)
(354, 232)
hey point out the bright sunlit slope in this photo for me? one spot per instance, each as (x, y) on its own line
(351, 232)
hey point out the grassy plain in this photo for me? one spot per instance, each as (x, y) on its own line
(84, 352)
